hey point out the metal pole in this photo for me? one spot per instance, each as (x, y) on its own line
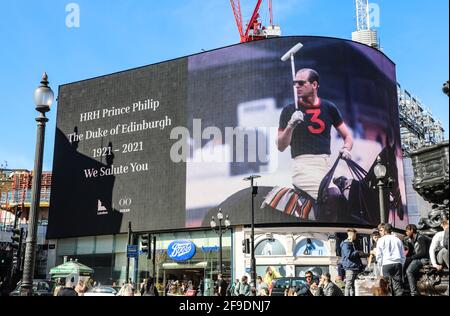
(381, 197)
(220, 246)
(154, 258)
(136, 270)
(127, 273)
(253, 263)
(293, 78)
(30, 251)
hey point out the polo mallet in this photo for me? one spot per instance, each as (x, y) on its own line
(290, 54)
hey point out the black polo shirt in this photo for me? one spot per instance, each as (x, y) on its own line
(312, 137)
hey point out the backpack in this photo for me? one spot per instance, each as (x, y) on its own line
(230, 289)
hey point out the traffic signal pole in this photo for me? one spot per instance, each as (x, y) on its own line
(254, 192)
(16, 245)
(127, 273)
(154, 258)
(136, 263)
(253, 259)
(19, 251)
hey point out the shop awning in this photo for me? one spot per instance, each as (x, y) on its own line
(182, 266)
(71, 267)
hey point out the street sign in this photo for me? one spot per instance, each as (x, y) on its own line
(132, 251)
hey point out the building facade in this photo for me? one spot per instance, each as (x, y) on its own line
(107, 255)
(15, 203)
(114, 164)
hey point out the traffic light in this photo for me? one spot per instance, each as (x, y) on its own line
(246, 246)
(16, 245)
(16, 238)
(145, 245)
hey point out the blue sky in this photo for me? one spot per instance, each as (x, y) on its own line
(122, 34)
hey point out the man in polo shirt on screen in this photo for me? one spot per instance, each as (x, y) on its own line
(307, 130)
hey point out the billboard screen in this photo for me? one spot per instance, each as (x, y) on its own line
(166, 146)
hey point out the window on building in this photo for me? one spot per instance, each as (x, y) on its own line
(270, 247)
(311, 247)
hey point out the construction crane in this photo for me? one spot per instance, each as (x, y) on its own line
(362, 15)
(254, 29)
(365, 33)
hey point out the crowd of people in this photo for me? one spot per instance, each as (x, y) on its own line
(394, 261)
(72, 288)
(242, 287)
(184, 288)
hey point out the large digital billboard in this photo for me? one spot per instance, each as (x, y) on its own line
(167, 145)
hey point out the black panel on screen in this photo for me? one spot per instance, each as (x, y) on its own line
(150, 194)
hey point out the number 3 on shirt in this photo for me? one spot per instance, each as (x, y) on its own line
(315, 119)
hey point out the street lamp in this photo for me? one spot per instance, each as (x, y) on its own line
(380, 173)
(220, 230)
(43, 98)
(254, 193)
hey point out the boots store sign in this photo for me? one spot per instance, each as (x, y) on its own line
(181, 250)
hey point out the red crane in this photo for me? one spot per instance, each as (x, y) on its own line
(254, 30)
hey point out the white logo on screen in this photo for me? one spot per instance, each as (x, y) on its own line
(181, 249)
(101, 210)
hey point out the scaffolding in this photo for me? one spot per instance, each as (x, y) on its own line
(16, 186)
(418, 127)
(362, 15)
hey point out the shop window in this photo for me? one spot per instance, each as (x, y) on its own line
(311, 247)
(120, 243)
(270, 247)
(86, 245)
(104, 244)
(66, 247)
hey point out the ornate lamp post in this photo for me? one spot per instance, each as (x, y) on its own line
(43, 98)
(220, 230)
(380, 173)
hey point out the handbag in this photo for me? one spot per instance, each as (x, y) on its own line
(361, 204)
(331, 202)
(363, 198)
